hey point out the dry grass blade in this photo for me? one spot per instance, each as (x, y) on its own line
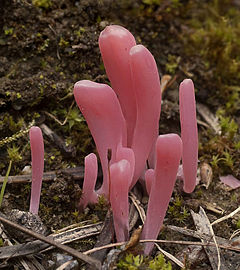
(209, 117)
(170, 256)
(138, 206)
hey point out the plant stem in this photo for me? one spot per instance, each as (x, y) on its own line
(5, 182)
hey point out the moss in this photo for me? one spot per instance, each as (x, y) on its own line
(8, 31)
(131, 262)
(177, 211)
(238, 224)
(215, 37)
(63, 42)
(44, 4)
(172, 64)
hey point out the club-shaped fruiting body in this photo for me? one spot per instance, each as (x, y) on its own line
(168, 156)
(189, 134)
(37, 153)
(124, 120)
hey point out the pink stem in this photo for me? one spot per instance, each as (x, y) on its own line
(169, 150)
(120, 174)
(37, 153)
(189, 134)
(149, 179)
(90, 177)
(128, 154)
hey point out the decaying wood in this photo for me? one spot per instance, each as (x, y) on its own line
(37, 246)
(49, 241)
(9, 243)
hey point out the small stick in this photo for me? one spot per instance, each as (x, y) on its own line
(77, 173)
(138, 206)
(226, 217)
(80, 256)
(192, 243)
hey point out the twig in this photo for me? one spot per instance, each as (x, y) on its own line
(80, 256)
(55, 118)
(138, 206)
(65, 265)
(9, 243)
(77, 173)
(234, 234)
(192, 243)
(226, 217)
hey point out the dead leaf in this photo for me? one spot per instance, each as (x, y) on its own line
(134, 240)
(206, 174)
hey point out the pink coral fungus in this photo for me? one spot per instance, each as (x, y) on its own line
(168, 156)
(125, 120)
(189, 134)
(120, 180)
(101, 109)
(90, 177)
(115, 43)
(37, 152)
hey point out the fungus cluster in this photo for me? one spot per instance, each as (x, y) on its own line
(125, 120)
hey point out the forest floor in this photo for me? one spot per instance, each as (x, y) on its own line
(48, 45)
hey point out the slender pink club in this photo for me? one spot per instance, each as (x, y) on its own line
(146, 84)
(149, 178)
(37, 153)
(120, 179)
(189, 134)
(115, 43)
(128, 154)
(90, 177)
(101, 109)
(168, 155)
